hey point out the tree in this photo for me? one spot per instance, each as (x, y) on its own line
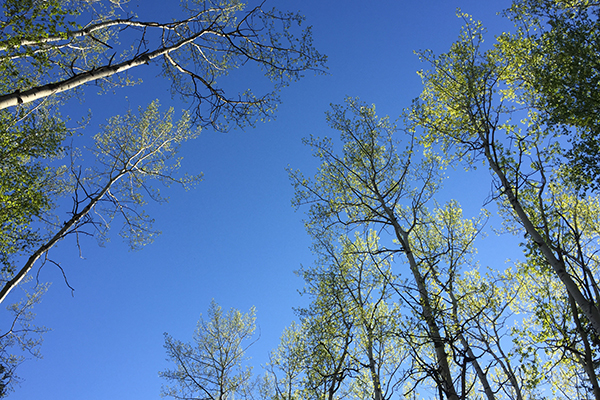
(212, 367)
(468, 108)
(370, 184)
(328, 333)
(30, 135)
(20, 338)
(130, 153)
(493, 106)
(45, 51)
(508, 333)
(556, 348)
(51, 50)
(284, 378)
(27, 183)
(365, 283)
(345, 344)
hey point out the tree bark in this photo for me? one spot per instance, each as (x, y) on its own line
(40, 92)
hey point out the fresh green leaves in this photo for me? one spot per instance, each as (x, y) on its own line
(131, 151)
(212, 366)
(27, 181)
(495, 104)
(562, 43)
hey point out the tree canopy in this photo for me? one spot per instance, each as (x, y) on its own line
(51, 51)
(528, 116)
(212, 367)
(398, 303)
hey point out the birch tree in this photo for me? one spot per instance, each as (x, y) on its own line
(56, 46)
(130, 151)
(56, 49)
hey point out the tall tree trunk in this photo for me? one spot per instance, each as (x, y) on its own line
(481, 375)
(588, 362)
(445, 375)
(377, 392)
(588, 307)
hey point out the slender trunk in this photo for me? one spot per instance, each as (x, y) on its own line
(469, 352)
(588, 307)
(377, 392)
(427, 310)
(64, 230)
(338, 375)
(504, 361)
(588, 363)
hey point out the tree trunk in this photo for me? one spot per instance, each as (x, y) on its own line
(434, 331)
(589, 308)
(40, 92)
(64, 230)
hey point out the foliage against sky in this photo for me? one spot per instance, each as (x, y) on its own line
(397, 302)
(51, 51)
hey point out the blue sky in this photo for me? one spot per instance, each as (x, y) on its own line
(235, 237)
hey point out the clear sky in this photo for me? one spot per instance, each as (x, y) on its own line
(235, 237)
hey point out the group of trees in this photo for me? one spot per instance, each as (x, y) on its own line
(399, 304)
(51, 51)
